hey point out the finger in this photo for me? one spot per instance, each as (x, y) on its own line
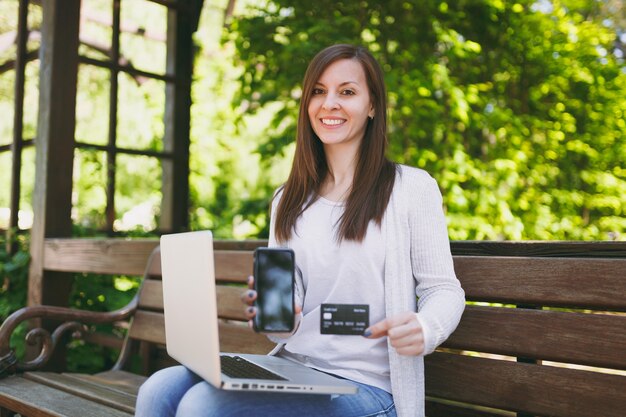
(410, 345)
(407, 326)
(382, 328)
(297, 309)
(250, 312)
(250, 281)
(248, 297)
(407, 338)
(411, 339)
(377, 330)
(412, 350)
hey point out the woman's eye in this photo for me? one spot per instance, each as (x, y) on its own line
(317, 91)
(348, 92)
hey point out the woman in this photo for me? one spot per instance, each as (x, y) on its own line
(365, 231)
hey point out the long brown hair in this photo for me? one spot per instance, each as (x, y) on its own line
(374, 174)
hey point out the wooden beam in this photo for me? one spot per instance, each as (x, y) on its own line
(175, 185)
(99, 256)
(18, 119)
(568, 337)
(525, 388)
(545, 281)
(111, 166)
(52, 202)
(562, 249)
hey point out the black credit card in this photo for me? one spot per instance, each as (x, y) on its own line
(347, 319)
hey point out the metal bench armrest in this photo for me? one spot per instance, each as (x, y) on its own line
(73, 320)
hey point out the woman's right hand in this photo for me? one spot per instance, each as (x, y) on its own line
(248, 297)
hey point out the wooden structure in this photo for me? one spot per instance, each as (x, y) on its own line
(56, 143)
(543, 334)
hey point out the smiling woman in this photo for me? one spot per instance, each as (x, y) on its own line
(344, 85)
(367, 234)
(340, 106)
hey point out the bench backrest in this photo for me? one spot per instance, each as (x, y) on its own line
(233, 264)
(232, 268)
(541, 336)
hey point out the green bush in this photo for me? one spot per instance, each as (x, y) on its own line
(14, 262)
(516, 108)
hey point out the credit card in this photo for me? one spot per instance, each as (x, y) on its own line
(346, 319)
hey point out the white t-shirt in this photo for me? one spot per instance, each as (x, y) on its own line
(339, 273)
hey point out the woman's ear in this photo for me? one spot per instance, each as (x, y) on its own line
(371, 113)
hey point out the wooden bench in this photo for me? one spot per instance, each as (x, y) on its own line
(544, 332)
(113, 393)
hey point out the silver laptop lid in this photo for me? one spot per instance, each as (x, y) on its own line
(189, 300)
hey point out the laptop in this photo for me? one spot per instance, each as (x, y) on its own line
(189, 296)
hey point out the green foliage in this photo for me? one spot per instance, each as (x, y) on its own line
(229, 187)
(98, 293)
(515, 108)
(14, 280)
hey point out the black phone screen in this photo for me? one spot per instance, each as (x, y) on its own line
(274, 270)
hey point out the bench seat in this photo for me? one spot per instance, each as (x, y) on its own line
(72, 395)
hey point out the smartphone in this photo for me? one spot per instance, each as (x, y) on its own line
(274, 281)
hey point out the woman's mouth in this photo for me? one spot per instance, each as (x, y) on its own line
(332, 122)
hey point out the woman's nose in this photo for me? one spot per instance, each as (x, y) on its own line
(331, 102)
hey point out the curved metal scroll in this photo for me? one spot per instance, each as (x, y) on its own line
(74, 321)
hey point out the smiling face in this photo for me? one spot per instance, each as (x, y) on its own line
(340, 104)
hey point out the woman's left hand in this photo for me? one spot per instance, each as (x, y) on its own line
(404, 332)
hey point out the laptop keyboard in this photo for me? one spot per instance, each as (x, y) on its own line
(238, 367)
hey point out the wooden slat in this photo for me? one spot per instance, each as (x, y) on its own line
(229, 305)
(148, 326)
(586, 283)
(459, 248)
(587, 339)
(32, 399)
(151, 296)
(233, 266)
(240, 339)
(98, 393)
(128, 257)
(108, 340)
(443, 408)
(122, 381)
(522, 387)
(100, 256)
(234, 337)
(561, 249)
(247, 245)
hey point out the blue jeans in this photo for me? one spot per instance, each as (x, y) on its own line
(177, 391)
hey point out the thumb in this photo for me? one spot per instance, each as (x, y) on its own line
(377, 330)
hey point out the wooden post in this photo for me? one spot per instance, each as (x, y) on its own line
(175, 205)
(18, 120)
(52, 202)
(113, 96)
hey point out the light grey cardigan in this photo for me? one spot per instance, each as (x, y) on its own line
(417, 262)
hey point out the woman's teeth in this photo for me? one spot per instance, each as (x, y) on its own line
(332, 122)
